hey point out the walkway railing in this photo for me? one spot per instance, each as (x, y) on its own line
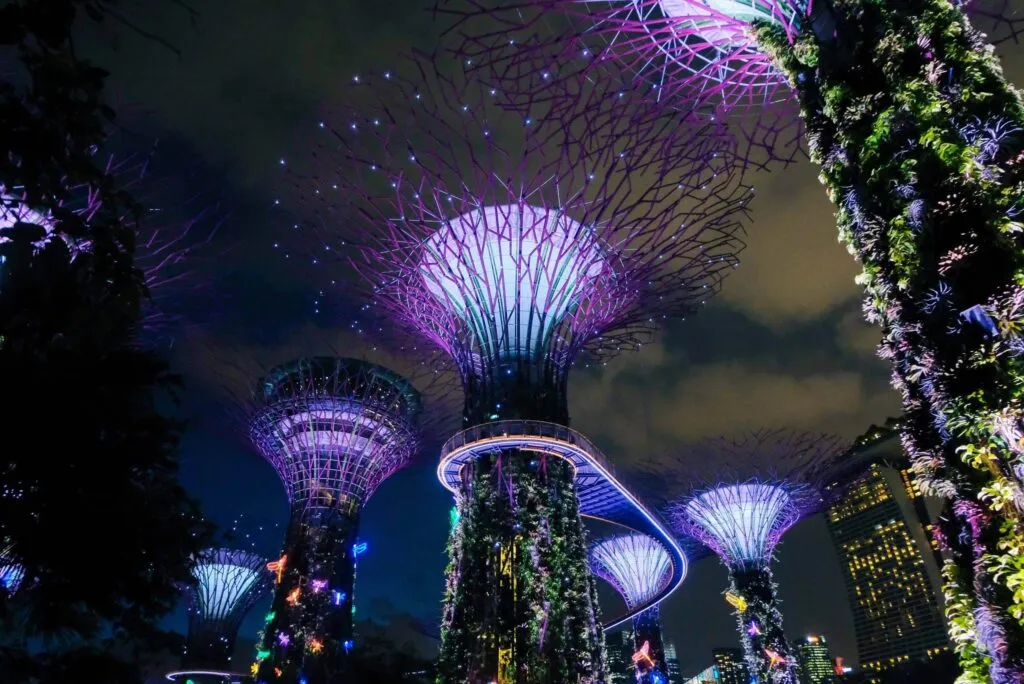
(526, 428)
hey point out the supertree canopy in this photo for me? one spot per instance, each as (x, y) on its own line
(742, 496)
(11, 571)
(334, 429)
(516, 249)
(169, 231)
(919, 138)
(228, 583)
(638, 566)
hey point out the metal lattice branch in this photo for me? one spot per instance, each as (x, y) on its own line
(636, 565)
(169, 235)
(334, 429)
(495, 235)
(228, 583)
(742, 494)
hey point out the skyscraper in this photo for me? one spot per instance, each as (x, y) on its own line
(814, 659)
(891, 569)
(675, 675)
(731, 666)
(619, 647)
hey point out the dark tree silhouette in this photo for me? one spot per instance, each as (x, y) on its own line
(90, 506)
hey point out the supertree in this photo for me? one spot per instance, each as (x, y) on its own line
(11, 571)
(228, 583)
(518, 248)
(170, 227)
(334, 429)
(919, 138)
(741, 495)
(638, 567)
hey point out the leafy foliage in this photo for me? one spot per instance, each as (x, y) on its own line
(529, 612)
(89, 499)
(921, 144)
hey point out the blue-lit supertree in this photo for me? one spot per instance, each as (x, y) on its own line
(517, 251)
(334, 429)
(11, 571)
(743, 495)
(228, 583)
(639, 567)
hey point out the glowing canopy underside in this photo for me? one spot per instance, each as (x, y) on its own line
(601, 495)
(227, 583)
(335, 427)
(638, 566)
(742, 523)
(511, 273)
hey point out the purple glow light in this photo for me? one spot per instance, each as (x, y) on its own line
(334, 429)
(530, 243)
(637, 565)
(746, 492)
(743, 522)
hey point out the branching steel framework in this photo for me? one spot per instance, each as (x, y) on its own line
(745, 493)
(334, 429)
(517, 247)
(168, 239)
(228, 583)
(920, 154)
(639, 567)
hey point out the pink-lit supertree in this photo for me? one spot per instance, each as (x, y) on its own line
(334, 429)
(638, 567)
(517, 248)
(920, 141)
(740, 497)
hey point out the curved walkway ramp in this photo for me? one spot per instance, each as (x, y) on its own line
(601, 495)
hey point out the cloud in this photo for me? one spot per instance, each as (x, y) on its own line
(251, 71)
(793, 268)
(643, 405)
(858, 337)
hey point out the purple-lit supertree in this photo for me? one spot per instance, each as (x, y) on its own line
(920, 140)
(639, 567)
(228, 583)
(334, 429)
(516, 248)
(743, 495)
(168, 230)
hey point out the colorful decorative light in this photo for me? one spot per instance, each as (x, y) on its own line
(315, 645)
(277, 567)
(334, 429)
(736, 601)
(642, 658)
(517, 255)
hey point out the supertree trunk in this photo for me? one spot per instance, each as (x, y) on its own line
(527, 615)
(647, 630)
(210, 648)
(920, 142)
(310, 623)
(765, 649)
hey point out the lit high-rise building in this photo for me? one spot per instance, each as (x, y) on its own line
(619, 648)
(732, 668)
(880, 531)
(675, 675)
(814, 659)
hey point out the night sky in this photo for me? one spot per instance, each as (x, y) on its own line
(784, 344)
